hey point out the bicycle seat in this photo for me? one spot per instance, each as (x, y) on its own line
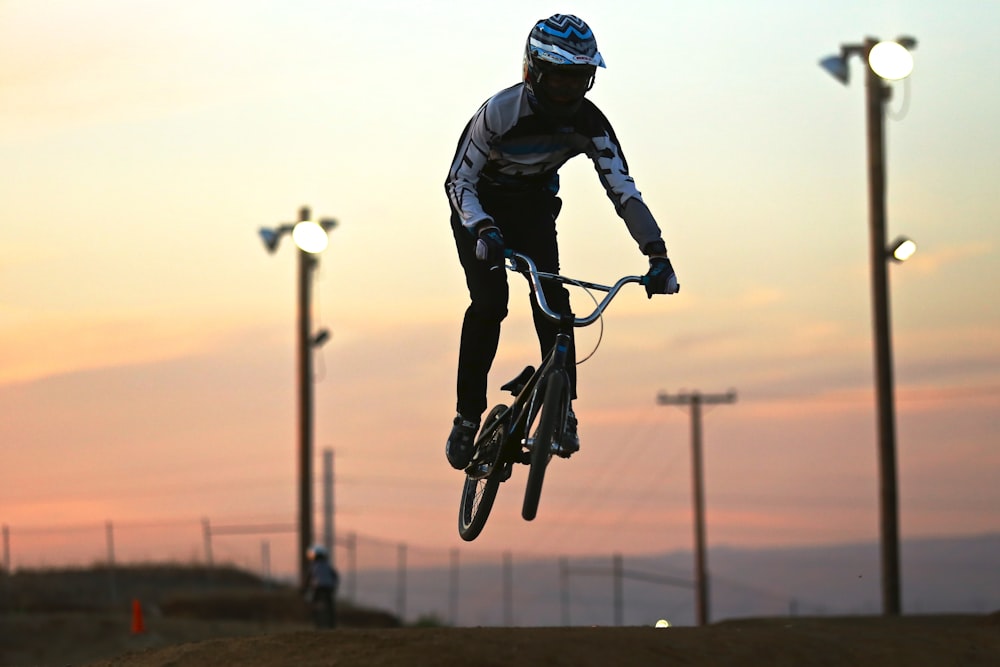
(517, 384)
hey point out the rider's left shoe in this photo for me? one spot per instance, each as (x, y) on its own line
(571, 439)
(461, 442)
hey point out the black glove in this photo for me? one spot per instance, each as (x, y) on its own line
(490, 245)
(661, 278)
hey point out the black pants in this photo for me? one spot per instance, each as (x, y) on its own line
(324, 608)
(528, 226)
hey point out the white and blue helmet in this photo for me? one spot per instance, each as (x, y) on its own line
(563, 45)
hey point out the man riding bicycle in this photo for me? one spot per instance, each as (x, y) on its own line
(503, 187)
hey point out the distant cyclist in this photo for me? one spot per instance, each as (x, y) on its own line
(502, 187)
(321, 587)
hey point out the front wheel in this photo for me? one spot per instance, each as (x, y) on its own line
(480, 491)
(555, 406)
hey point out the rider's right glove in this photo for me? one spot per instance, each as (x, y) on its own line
(661, 278)
(489, 245)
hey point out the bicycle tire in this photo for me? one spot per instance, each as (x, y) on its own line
(550, 425)
(478, 493)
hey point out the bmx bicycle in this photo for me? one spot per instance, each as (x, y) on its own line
(530, 430)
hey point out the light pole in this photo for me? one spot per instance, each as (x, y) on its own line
(883, 61)
(310, 238)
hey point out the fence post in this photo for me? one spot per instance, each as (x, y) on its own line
(453, 592)
(109, 539)
(109, 534)
(619, 594)
(564, 589)
(351, 544)
(508, 589)
(206, 530)
(265, 559)
(401, 584)
(329, 536)
(6, 549)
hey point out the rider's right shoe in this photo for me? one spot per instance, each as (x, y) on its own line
(461, 442)
(570, 439)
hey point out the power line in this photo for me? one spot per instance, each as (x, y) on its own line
(597, 484)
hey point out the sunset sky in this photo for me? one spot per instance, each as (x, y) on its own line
(147, 354)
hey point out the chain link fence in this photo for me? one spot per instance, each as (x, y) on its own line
(415, 583)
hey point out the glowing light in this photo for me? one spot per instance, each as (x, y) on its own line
(663, 623)
(890, 60)
(310, 236)
(903, 249)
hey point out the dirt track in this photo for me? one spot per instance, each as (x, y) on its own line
(902, 642)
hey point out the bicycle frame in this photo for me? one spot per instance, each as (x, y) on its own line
(527, 400)
(506, 437)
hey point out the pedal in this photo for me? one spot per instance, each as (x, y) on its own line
(566, 452)
(478, 470)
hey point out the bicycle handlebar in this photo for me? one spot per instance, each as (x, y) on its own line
(526, 266)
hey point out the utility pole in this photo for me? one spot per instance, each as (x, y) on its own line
(696, 399)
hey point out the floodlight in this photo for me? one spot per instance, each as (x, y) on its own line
(310, 236)
(837, 67)
(890, 60)
(321, 337)
(902, 249)
(270, 238)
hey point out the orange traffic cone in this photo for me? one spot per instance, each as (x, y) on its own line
(138, 626)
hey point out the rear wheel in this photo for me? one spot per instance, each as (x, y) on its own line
(480, 489)
(546, 437)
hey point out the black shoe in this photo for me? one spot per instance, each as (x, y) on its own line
(460, 443)
(570, 439)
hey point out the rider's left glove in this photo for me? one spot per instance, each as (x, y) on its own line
(490, 245)
(661, 278)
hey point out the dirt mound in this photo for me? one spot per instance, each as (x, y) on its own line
(886, 642)
(101, 587)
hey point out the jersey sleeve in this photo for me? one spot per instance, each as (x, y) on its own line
(609, 161)
(463, 177)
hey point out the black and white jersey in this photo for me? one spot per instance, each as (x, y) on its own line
(507, 148)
